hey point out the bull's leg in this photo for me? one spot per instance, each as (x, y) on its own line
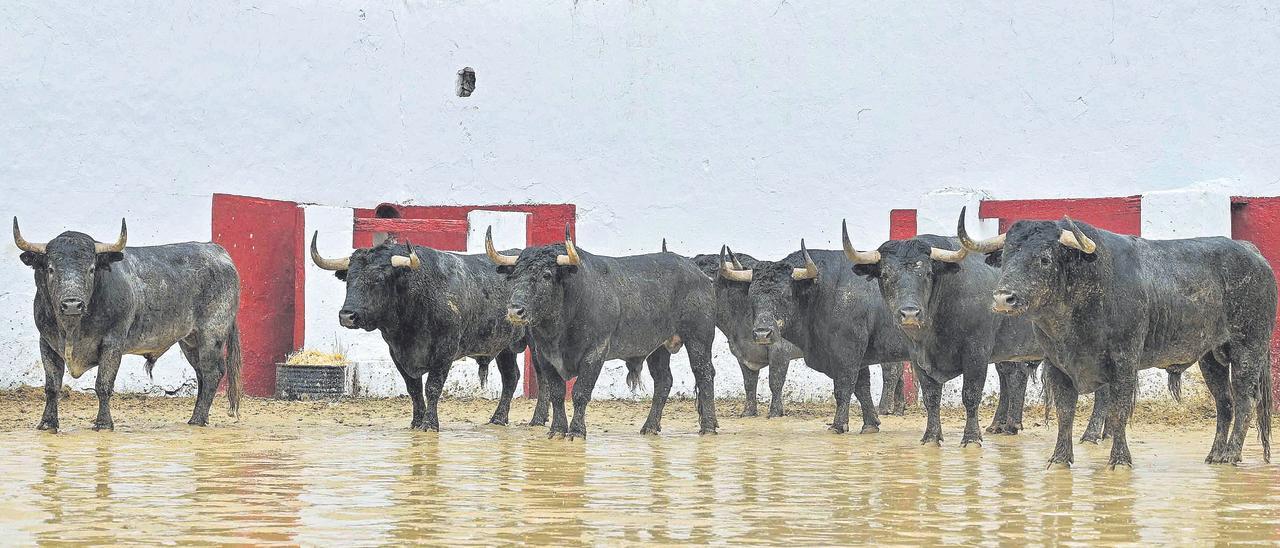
(778, 366)
(434, 388)
(1246, 374)
(1120, 400)
(108, 366)
(975, 377)
(582, 388)
(999, 421)
(53, 372)
(843, 388)
(555, 392)
(932, 400)
(862, 390)
(750, 380)
(891, 377)
(1217, 378)
(209, 362)
(660, 371)
(413, 385)
(540, 408)
(1017, 399)
(1064, 399)
(1094, 431)
(510, 372)
(704, 378)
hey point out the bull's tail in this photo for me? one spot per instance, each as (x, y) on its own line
(234, 360)
(1175, 384)
(1046, 390)
(1264, 409)
(634, 368)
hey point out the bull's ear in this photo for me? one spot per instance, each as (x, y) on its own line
(32, 259)
(995, 258)
(506, 269)
(566, 269)
(105, 259)
(943, 267)
(340, 274)
(867, 270)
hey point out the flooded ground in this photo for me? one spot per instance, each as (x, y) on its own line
(316, 473)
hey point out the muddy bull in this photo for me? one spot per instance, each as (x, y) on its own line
(1104, 306)
(96, 302)
(579, 310)
(938, 296)
(432, 308)
(815, 301)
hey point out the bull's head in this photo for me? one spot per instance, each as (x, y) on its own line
(775, 290)
(906, 271)
(67, 268)
(537, 277)
(1035, 258)
(375, 280)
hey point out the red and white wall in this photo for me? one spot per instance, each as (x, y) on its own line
(750, 124)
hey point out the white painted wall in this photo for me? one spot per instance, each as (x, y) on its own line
(749, 123)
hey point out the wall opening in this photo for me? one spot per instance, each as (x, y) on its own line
(466, 82)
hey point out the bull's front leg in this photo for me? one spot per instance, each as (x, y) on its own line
(104, 386)
(999, 421)
(582, 388)
(510, 372)
(1064, 398)
(1017, 400)
(53, 372)
(891, 388)
(862, 391)
(778, 366)
(413, 385)
(843, 389)
(931, 392)
(555, 392)
(1120, 400)
(975, 377)
(750, 380)
(1097, 429)
(434, 389)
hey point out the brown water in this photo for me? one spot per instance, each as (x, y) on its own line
(316, 484)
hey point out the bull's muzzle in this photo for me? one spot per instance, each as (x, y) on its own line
(1004, 301)
(516, 315)
(909, 317)
(762, 335)
(71, 307)
(349, 319)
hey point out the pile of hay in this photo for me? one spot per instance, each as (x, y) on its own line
(316, 357)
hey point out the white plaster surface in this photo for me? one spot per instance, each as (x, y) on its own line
(753, 124)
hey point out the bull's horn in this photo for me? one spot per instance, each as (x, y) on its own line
(327, 264)
(984, 246)
(411, 262)
(733, 258)
(858, 257)
(570, 257)
(731, 271)
(23, 244)
(116, 247)
(497, 258)
(1076, 238)
(664, 245)
(947, 255)
(810, 270)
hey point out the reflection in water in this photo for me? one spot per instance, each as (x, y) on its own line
(481, 484)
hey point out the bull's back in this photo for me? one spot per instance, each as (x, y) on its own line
(657, 295)
(179, 288)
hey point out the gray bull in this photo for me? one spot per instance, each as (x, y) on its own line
(580, 309)
(1105, 306)
(96, 302)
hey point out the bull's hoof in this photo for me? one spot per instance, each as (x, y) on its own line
(749, 413)
(576, 436)
(995, 429)
(648, 430)
(197, 422)
(1058, 465)
(1222, 458)
(104, 425)
(1122, 461)
(1012, 429)
(51, 426)
(837, 429)
(775, 413)
(869, 429)
(708, 432)
(1090, 438)
(971, 440)
(553, 435)
(934, 440)
(537, 422)
(427, 427)
(498, 421)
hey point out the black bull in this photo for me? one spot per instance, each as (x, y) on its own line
(1105, 306)
(96, 302)
(579, 310)
(432, 308)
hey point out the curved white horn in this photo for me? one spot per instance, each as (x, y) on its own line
(570, 258)
(984, 246)
(22, 243)
(810, 269)
(116, 247)
(1076, 238)
(497, 258)
(411, 262)
(858, 257)
(327, 264)
(731, 270)
(947, 255)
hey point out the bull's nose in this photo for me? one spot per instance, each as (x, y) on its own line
(515, 313)
(71, 307)
(1004, 300)
(909, 315)
(763, 335)
(348, 318)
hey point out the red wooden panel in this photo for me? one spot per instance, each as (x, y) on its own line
(411, 225)
(1258, 220)
(1119, 215)
(902, 226)
(264, 239)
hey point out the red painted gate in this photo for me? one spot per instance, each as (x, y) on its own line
(264, 238)
(1258, 220)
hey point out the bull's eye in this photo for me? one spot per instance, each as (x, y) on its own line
(1044, 261)
(546, 275)
(919, 264)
